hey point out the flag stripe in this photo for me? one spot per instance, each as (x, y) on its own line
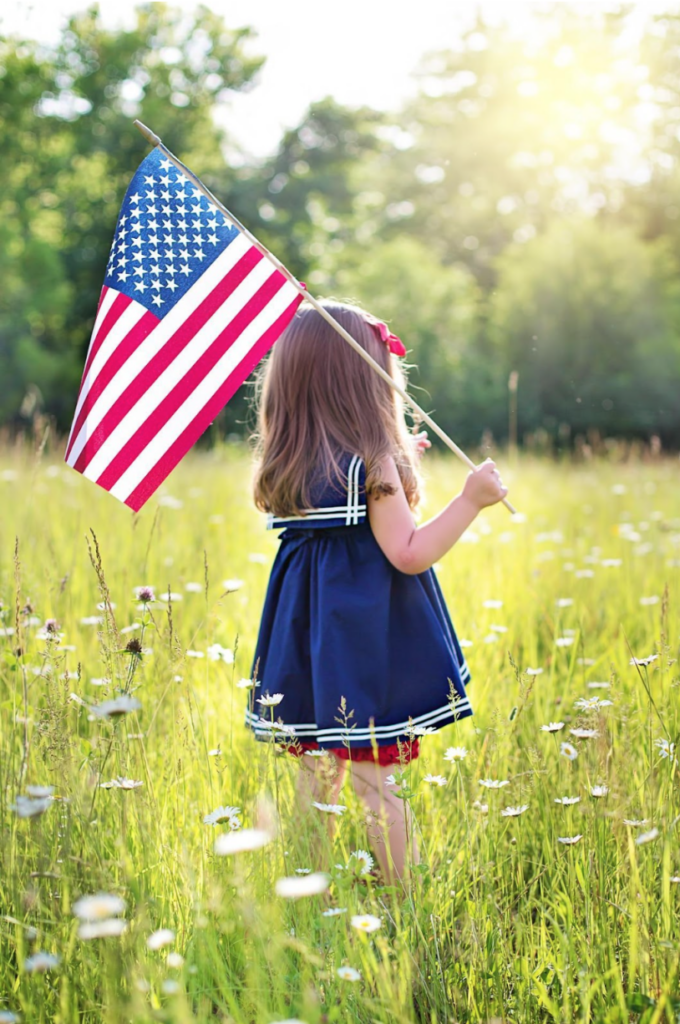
(188, 387)
(131, 330)
(186, 309)
(149, 388)
(209, 409)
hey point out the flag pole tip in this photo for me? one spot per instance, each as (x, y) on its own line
(147, 133)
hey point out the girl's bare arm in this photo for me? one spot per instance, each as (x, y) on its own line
(413, 549)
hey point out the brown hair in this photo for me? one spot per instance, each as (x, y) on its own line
(316, 398)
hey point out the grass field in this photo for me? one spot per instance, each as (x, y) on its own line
(502, 920)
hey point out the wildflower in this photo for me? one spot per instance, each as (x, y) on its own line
(584, 734)
(598, 686)
(41, 962)
(302, 871)
(553, 727)
(110, 926)
(348, 974)
(512, 812)
(482, 808)
(120, 782)
(51, 626)
(364, 858)
(365, 922)
(455, 754)
(309, 885)
(674, 878)
(599, 791)
(119, 706)
(329, 808)
(493, 783)
(161, 937)
(438, 780)
(174, 959)
(569, 840)
(99, 906)
(564, 602)
(170, 987)
(564, 641)
(491, 638)
(7, 1017)
(566, 800)
(647, 837)
(231, 585)
(170, 597)
(533, 671)
(220, 815)
(666, 749)
(465, 643)
(215, 753)
(317, 753)
(649, 600)
(493, 604)
(334, 911)
(238, 842)
(247, 684)
(26, 807)
(144, 594)
(591, 703)
(40, 791)
(134, 646)
(218, 653)
(270, 700)
(422, 730)
(195, 654)
(636, 822)
(568, 750)
(644, 661)
(92, 620)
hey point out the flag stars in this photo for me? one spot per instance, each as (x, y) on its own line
(135, 198)
(171, 284)
(213, 239)
(123, 275)
(157, 300)
(139, 272)
(166, 164)
(184, 270)
(140, 287)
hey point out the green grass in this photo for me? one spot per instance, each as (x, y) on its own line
(501, 921)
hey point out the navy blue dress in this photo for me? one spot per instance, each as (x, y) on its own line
(339, 620)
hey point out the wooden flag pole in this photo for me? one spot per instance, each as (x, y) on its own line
(155, 141)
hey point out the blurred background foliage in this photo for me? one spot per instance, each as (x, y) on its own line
(520, 214)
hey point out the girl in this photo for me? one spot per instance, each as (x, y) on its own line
(356, 648)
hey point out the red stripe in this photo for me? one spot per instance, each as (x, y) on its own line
(120, 355)
(188, 384)
(118, 307)
(170, 350)
(209, 411)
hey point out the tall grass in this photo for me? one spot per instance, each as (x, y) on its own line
(500, 921)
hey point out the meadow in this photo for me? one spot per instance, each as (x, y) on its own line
(549, 882)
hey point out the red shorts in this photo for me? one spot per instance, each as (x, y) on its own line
(389, 754)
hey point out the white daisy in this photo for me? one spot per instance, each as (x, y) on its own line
(231, 585)
(218, 653)
(310, 885)
(482, 808)
(334, 911)
(247, 684)
(494, 783)
(118, 706)
(365, 860)
(41, 962)
(553, 727)
(599, 790)
(566, 800)
(636, 822)
(365, 922)
(564, 602)
(649, 600)
(194, 588)
(170, 987)
(564, 641)
(533, 671)
(647, 837)
(195, 654)
(643, 661)
(569, 750)
(422, 730)
(221, 814)
(348, 974)
(317, 753)
(666, 749)
(569, 840)
(121, 783)
(174, 960)
(329, 808)
(303, 871)
(439, 780)
(110, 926)
(584, 734)
(98, 906)
(269, 701)
(40, 791)
(512, 812)
(238, 842)
(455, 754)
(161, 937)
(591, 703)
(26, 807)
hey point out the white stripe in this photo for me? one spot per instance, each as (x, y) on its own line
(355, 515)
(107, 302)
(316, 515)
(350, 490)
(208, 386)
(158, 338)
(150, 399)
(123, 325)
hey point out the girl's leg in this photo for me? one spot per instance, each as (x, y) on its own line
(320, 779)
(393, 818)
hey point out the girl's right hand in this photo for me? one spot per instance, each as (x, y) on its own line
(484, 486)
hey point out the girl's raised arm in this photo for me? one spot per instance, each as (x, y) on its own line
(413, 549)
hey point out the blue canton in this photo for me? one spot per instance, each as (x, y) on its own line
(168, 234)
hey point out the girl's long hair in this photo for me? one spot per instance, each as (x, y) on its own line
(317, 398)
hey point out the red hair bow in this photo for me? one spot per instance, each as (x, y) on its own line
(396, 345)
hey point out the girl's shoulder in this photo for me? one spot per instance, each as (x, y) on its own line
(333, 503)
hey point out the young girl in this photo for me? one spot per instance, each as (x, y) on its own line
(356, 646)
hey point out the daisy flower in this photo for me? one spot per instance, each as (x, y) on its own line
(455, 754)
(221, 814)
(584, 734)
(329, 808)
(599, 791)
(161, 937)
(41, 962)
(247, 684)
(512, 812)
(237, 842)
(643, 661)
(98, 906)
(568, 750)
(666, 749)
(533, 671)
(334, 911)
(231, 585)
(553, 727)
(365, 922)
(120, 782)
(348, 974)
(569, 840)
(591, 703)
(566, 800)
(494, 783)
(270, 701)
(309, 885)
(636, 822)
(118, 706)
(482, 808)
(111, 926)
(218, 653)
(647, 837)
(564, 641)
(439, 780)
(365, 860)
(26, 807)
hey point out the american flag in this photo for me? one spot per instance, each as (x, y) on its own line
(188, 308)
